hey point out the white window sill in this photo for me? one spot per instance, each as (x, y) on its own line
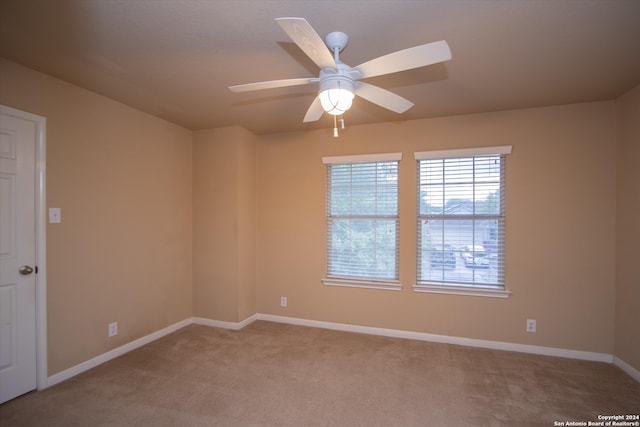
(463, 290)
(369, 284)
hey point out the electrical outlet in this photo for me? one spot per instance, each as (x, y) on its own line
(531, 325)
(113, 329)
(283, 301)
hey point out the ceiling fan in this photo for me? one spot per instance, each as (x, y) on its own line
(340, 82)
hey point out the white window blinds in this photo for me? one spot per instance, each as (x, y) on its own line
(461, 218)
(362, 218)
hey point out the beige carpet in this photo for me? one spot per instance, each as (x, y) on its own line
(271, 374)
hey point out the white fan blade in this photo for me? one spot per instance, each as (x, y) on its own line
(407, 59)
(303, 34)
(271, 84)
(314, 112)
(383, 97)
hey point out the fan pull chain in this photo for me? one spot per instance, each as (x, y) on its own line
(335, 126)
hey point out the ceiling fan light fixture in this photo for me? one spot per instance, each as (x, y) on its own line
(336, 101)
(339, 81)
(336, 95)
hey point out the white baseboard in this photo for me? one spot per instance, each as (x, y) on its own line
(394, 333)
(445, 339)
(633, 372)
(225, 325)
(119, 351)
(112, 354)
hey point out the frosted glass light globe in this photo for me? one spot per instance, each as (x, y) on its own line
(336, 101)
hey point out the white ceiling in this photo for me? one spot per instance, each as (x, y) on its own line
(176, 58)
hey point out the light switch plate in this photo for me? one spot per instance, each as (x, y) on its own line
(55, 216)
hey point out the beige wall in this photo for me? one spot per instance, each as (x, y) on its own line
(628, 229)
(560, 228)
(123, 250)
(224, 224)
(139, 196)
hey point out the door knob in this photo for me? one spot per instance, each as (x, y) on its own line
(25, 270)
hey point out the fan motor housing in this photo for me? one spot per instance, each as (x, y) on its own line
(336, 78)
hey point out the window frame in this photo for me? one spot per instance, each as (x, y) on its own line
(451, 287)
(361, 281)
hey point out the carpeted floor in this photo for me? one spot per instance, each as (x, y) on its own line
(271, 374)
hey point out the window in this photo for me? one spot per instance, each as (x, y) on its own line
(461, 219)
(362, 221)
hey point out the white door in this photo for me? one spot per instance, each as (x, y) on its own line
(17, 255)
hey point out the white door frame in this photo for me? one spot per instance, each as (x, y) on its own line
(41, 241)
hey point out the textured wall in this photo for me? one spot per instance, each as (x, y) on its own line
(123, 250)
(628, 229)
(139, 196)
(560, 227)
(224, 224)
